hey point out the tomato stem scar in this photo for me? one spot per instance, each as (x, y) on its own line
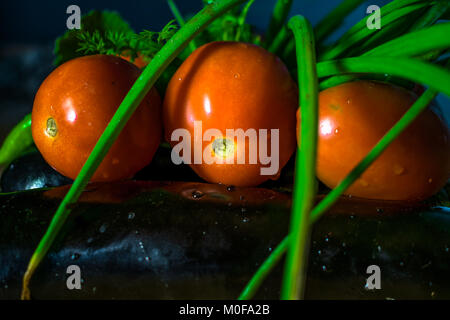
(52, 129)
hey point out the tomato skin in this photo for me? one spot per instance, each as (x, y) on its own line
(232, 85)
(81, 96)
(354, 116)
(139, 62)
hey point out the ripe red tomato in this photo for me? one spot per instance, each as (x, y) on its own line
(354, 116)
(139, 62)
(74, 105)
(232, 85)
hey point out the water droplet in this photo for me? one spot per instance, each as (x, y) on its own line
(231, 188)
(349, 100)
(326, 239)
(319, 252)
(270, 249)
(197, 194)
(131, 215)
(430, 180)
(324, 268)
(147, 259)
(241, 198)
(237, 75)
(103, 228)
(243, 210)
(245, 220)
(398, 170)
(401, 264)
(379, 210)
(180, 78)
(379, 248)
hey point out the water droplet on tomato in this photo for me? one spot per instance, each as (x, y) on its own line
(398, 170)
(237, 75)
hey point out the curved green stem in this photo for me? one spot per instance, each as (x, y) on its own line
(279, 16)
(334, 19)
(264, 270)
(280, 38)
(417, 71)
(177, 14)
(131, 101)
(241, 20)
(305, 168)
(353, 39)
(385, 10)
(415, 43)
(420, 105)
(424, 44)
(431, 16)
(17, 141)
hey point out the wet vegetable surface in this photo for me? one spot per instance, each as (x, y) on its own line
(74, 105)
(193, 240)
(30, 172)
(354, 116)
(231, 86)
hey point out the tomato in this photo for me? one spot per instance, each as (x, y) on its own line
(139, 61)
(354, 116)
(233, 85)
(74, 105)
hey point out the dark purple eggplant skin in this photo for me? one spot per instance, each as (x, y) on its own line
(157, 240)
(30, 171)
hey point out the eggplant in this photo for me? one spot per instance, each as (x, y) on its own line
(31, 171)
(160, 240)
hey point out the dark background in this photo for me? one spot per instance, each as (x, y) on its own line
(28, 29)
